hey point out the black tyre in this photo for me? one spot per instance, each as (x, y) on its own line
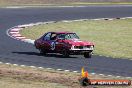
(88, 54)
(65, 53)
(43, 52)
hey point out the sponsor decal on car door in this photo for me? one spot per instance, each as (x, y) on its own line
(52, 44)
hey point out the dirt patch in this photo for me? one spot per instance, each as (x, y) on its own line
(31, 75)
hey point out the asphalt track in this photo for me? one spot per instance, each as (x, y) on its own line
(17, 52)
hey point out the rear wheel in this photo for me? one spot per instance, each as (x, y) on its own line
(43, 52)
(88, 54)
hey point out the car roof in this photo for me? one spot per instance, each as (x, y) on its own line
(62, 32)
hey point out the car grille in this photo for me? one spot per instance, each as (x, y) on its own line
(81, 47)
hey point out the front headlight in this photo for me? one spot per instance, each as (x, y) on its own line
(91, 47)
(72, 47)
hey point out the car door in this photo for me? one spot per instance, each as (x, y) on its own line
(46, 41)
(59, 42)
(53, 41)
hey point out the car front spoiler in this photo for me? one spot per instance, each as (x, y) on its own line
(79, 52)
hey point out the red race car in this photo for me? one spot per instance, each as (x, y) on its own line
(65, 43)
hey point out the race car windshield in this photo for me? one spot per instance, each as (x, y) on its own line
(68, 36)
(71, 36)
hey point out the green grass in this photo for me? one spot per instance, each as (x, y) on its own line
(41, 3)
(112, 38)
(102, 3)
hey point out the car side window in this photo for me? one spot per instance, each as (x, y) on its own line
(53, 36)
(61, 36)
(68, 36)
(47, 36)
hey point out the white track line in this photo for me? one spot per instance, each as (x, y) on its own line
(15, 29)
(22, 65)
(128, 77)
(16, 35)
(109, 75)
(59, 69)
(118, 76)
(93, 73)
(75, 71)
(101, 74)
(49, 68)
(20, 37)
(1, 62)
(7, 63)
(32, 66)
(16, 32)
(15, 64)
(40, 67)
(67, 70)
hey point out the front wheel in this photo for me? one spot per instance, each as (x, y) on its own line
(65, 53)
(88, 54)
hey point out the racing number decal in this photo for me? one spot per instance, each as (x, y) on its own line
(52, 45)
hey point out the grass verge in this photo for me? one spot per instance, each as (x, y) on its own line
(112, 38)
(25, 77)
(101, 3)
(4, 3)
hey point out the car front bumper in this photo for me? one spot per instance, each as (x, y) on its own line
(79, 51)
